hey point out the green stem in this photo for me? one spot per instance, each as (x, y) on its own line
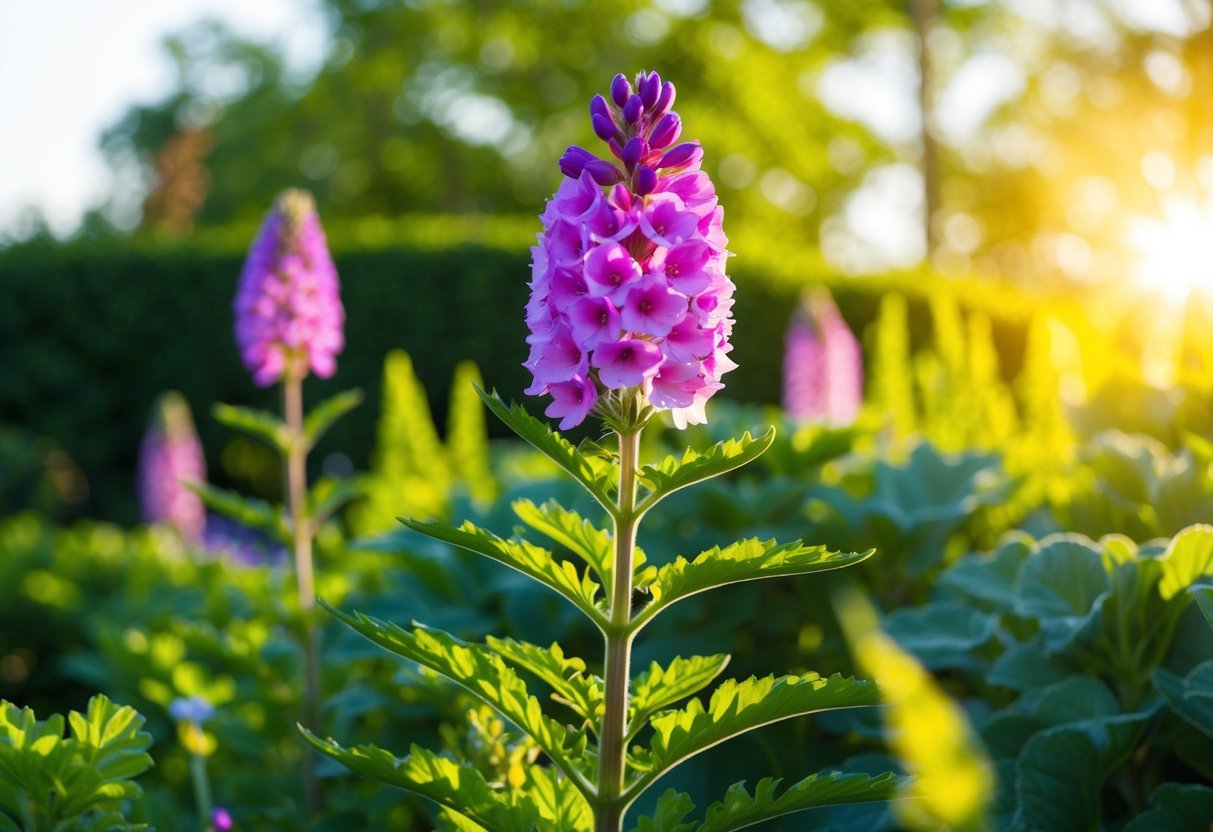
(612, 745)
(202, 790)
(303, 531)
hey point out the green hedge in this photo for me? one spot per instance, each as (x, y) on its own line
(92, 332)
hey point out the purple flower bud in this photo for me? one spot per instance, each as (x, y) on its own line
(688, 153)
(666, 132)
(604, 127)
(665, 101)
(574, 160)
(604, 172)
(633, 109)
(289, 317)
(221, 819)
(646, 180)
(650, 90)
(616, 148)
(621, 89)
(169, 456)
(599, 107)
(633, 150)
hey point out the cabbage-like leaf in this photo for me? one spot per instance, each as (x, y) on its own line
(673, 474)
(1065, 585)
(1175, 807)
(593, 472)
(567, 676)
(527, 558)
(482, 673)
(1188, 559)
(745, 560)
(1191, 696)
(737, 707)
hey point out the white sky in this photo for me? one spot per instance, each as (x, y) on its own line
(70, 68)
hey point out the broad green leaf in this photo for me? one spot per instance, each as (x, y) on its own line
(257, 423)
(594, 474)
(1188, 559)
(668, 815)
(256, 514)
(481, 672)
(325, 414)
(738, 809)
(566, 676)
(1176, 807)
(1204, 599)
(457, 787)
(672, 473)
(990, 578)
(659, 687)
(738, 707)
(451, 821)
(570, 530)
(941, 634)
(1191, 697)
(745, 560)
(527, 558)
(1072, 700)
(1064, 584)
(1061, 772)
(1027, 666)
(562, 808)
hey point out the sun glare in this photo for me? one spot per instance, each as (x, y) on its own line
(1176, 251)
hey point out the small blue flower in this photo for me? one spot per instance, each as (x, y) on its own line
(193, 709)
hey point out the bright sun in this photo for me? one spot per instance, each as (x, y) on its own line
(1177, 250)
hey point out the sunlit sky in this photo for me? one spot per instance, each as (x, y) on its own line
(70, 68)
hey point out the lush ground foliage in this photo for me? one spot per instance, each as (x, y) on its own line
(1048, 573)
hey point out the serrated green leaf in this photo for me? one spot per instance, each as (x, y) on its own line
(256, 514)
(1061, 772)
(570, 530)
(660, 687)
(527, 558)
(459, 788)
(562, 808)
(738, 809)
(667, 816)
(482, 673)
(256, 423)
(1176, 807)
(594, 474)
(567, 676)
(324, 415)
(673, 474)
(745, 560)
(1188, 559)
(737, 707)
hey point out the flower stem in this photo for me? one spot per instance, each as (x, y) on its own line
(202, 790)
(303, 531)
(612, 747)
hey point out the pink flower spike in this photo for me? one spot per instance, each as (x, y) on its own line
(594, 320)
(576, 199)
(572, 401)
(626, 363)
(666, 221)
(652, 308)
(559, 359)
(684, 266)
(675, 385)
(610, 271)
(688, 341)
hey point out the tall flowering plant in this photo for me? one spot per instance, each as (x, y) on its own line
(169, 457)
(288, 325)
(629, 315)
(822, 364)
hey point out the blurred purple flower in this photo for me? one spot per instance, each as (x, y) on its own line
(288, 309)
(822, 364)
(628, 286)
(221, 819)
(170, 455)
